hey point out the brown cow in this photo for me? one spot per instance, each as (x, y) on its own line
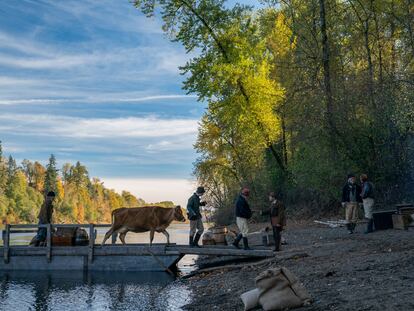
(143, 219)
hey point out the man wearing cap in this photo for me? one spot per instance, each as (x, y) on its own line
(351, 197)
(45, 217)
(194, 214)
(243, 213)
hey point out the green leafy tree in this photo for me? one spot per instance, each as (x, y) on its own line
(3, 171)
(51, 176)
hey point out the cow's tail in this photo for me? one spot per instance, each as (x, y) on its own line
(112, 216)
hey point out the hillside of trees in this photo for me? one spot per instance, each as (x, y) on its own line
(79, 199)
(299, 94)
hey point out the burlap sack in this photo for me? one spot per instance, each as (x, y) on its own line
(250, 299)
(279, 289)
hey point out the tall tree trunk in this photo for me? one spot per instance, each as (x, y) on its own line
(284, 144)
(333, 132)
(370, 65)
(379, 42)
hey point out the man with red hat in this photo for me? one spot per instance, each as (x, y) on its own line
(243, 213)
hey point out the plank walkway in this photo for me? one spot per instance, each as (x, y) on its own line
(219, 251)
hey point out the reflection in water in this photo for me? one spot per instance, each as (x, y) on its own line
(76, 290)
(30, 290)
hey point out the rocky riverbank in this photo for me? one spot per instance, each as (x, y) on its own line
(341, 271)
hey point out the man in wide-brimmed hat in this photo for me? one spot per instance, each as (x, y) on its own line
(45, 217)
(351, 197)
(194, 215)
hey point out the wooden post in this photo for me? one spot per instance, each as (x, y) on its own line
(91, 242)
(49, 242)
(6, 243)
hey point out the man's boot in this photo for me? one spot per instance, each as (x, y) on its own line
(353, 226)
(349, 227)
(370, 225)
(196, 239)
(237, 240)
(246, 244)
(190, 242)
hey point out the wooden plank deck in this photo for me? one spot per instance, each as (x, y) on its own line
(135, 250)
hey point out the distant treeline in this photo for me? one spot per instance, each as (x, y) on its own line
(79, 198)
(299, 94)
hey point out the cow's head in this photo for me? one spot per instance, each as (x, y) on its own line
(178, 214)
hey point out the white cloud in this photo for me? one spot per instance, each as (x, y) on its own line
(10, 81)
(155, 97)
(99, 98)
(130, 127)
(109, 15)
(154, 189)
(23, 45)
(170, 145)
(55, 62)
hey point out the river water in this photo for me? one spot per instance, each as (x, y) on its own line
(36, 290)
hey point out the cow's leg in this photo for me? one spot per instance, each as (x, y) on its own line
(167, 235)
(151, 236)
(122, 233)
(122, 237)
(107, 235)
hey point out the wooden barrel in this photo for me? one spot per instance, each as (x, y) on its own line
(219, 238)
(208, 242)
(219, 230)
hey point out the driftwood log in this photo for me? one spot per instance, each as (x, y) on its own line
(251, 265)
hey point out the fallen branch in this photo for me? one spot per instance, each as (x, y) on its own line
(240, 266)
(336, 223)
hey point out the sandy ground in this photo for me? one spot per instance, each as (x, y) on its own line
(342, 272)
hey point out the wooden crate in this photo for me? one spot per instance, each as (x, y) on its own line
(383, 219)
(62, 240)
(401, 222)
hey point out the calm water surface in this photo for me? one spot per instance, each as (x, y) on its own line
(35, 290)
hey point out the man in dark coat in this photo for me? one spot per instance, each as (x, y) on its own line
(367, 195)
(351, 197)
(194, 215)
(243, 214)
(277, 218)
(45, 217)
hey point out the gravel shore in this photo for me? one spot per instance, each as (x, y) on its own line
(341, 272)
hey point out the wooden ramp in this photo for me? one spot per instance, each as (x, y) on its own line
(218, 251)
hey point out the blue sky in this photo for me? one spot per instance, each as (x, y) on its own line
(98, 82)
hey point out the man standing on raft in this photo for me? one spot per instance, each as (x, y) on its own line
(194, 215)
(243, 214)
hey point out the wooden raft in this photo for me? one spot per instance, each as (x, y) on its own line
(112, 257)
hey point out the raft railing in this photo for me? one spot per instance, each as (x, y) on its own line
(33, 228)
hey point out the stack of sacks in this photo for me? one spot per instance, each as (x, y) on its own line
(277, 289)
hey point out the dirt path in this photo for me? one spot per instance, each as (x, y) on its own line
(342, 272)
